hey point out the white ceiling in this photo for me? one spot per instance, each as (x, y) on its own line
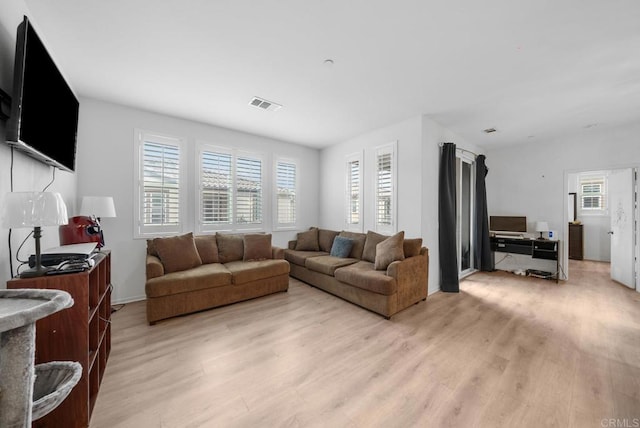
(532, 69)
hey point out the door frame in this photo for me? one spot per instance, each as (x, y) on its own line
(471, 160)
(565, 215)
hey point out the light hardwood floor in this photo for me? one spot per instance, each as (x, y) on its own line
(505, 351)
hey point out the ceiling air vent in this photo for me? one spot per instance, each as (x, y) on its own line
(489, 130)
(264, 104)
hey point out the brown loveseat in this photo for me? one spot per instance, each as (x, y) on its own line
(187, 274)
(380, 273)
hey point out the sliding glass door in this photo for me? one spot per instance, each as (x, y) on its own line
(465, 179)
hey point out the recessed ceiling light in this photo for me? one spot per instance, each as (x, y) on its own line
(489, 130)
(531, 136)
(590, 125)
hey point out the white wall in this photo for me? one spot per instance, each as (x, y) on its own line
(28, 174)
(418, 140)
(532, 179)
(105, 168)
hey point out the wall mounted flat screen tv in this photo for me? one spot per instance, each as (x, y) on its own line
(507, 223)
(44, 109)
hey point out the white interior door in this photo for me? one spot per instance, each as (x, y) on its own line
(622, 232)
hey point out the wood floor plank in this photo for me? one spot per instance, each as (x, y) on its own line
(505, 351)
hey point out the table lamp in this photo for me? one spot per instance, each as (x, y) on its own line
(34, 209)
(542, 226)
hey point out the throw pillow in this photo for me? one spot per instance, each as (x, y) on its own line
(230, 247)
(151, 249)
(389, 251)
(308, 241)
(358, 243)
(412, 247)
(325, 239)
(257, 247)
(341, 247)
(177, 253)
(207, 248)
(373, 239)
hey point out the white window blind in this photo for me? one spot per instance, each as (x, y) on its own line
(592, 193)
(385, 185)
(353, 191)
(248, 191)
(158, 164)
(216, 178)
(285, 193)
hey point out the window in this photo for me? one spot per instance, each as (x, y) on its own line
(285, 204)
(593, 193)
(354, 192)
(159, 192)
(230, 186)
(385, 184)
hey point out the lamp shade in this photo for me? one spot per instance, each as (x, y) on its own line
(542, 226)
(34, 209)
(98, 206)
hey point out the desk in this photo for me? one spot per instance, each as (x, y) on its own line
(536, 248)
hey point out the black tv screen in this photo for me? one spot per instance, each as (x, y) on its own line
(44, 109)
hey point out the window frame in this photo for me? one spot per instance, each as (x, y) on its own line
(276, 223)
(348, 200)
(233, 225)
(591, 179)
(142, 136)
(392, 149)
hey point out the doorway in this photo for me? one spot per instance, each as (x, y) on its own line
(465, 183)
(604, 221)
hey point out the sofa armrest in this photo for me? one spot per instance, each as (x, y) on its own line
(277, 253)
(154, 267)
(292, 245)
(412, 277)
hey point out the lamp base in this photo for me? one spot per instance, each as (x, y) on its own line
(35, 272)
(542, 238)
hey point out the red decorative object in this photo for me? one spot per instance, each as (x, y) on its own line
(81, 229)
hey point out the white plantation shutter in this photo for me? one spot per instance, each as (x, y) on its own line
(385, 185)
(593, 193)
(216, 184)
(353, 191)
(159, 189)
(285, 193)
(248, 201)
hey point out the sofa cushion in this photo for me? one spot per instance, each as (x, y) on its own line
(244, 272)
(358, 243)
(325, 239)
(299, 257)
(177, 253)
(151, 249)
(308, 241)
(199, 278)
(341, 247)
(389, 251)
(412, 247)
(327, 264)
(364, 275)
(373, 239)
(257, 247)
(230, 247)
(207, 248)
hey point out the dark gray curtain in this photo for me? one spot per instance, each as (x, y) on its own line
(483, 256)
(447, 220)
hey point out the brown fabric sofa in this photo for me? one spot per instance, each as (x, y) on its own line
(212, 270)
(355, 278)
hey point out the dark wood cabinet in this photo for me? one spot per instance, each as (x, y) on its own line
(80, 333)
(576, 241)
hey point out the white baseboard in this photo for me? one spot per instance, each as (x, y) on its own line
(128, 300)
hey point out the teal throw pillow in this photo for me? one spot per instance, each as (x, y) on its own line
(341, 246)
